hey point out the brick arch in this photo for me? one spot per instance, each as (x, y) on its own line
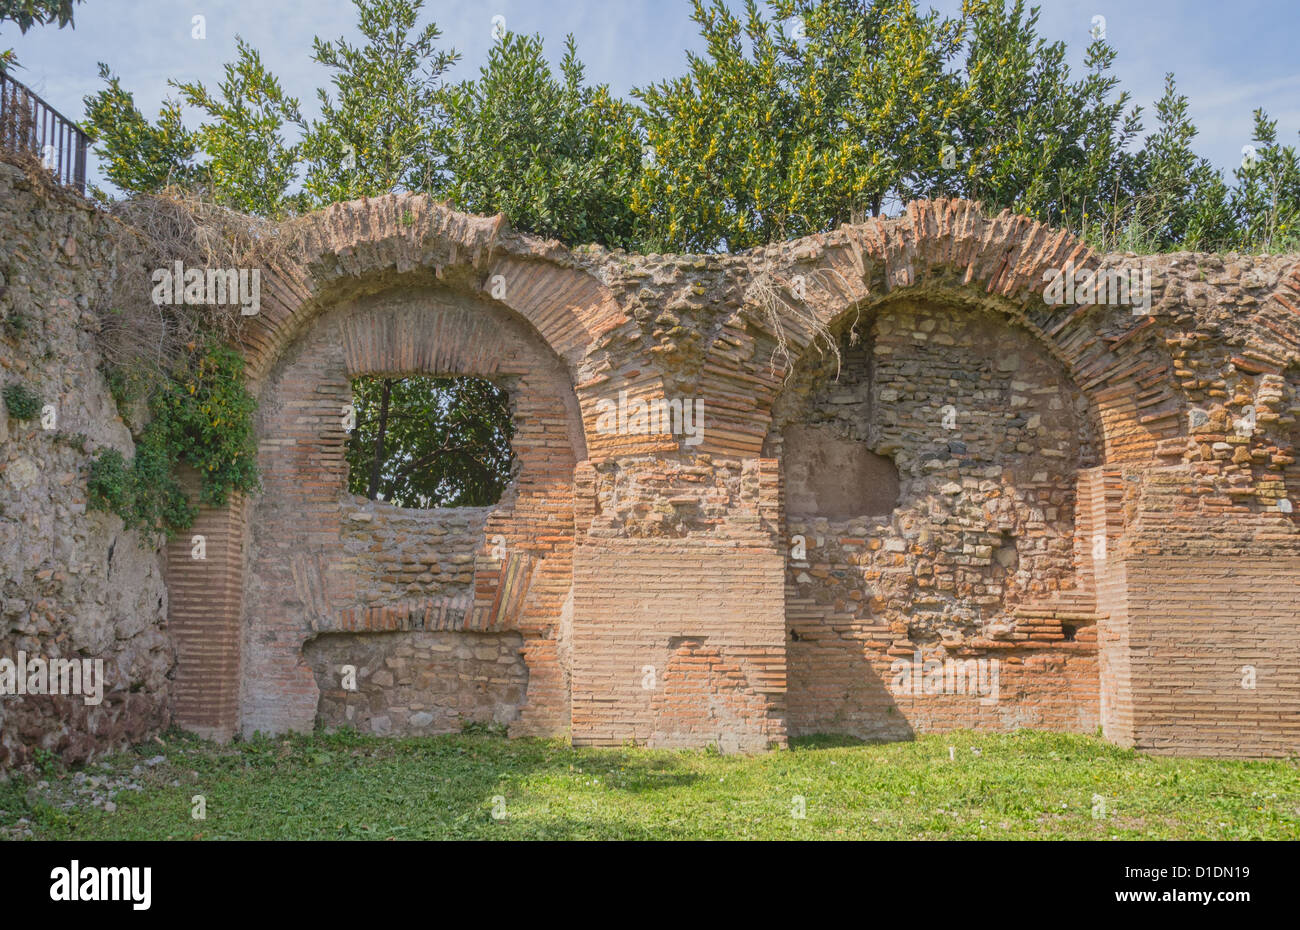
(349, 248)
(325, 568)
(979, 537)
(355, 252)
(1275, 325)
(361, 247)
(947, 251)
(949, 258)
(496, 305)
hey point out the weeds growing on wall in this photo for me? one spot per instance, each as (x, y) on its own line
(172, 226)
(173, 365)
(21, 401)
(202, 417)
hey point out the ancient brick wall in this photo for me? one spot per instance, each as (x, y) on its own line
(678, 583)
(1213, 605)
(922, 496)
(911, 505)
(323, 564)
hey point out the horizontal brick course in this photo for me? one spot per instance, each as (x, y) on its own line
(1094, 522)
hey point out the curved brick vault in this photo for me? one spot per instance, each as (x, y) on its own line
(646, 586)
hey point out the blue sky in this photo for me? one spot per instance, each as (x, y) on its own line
(1228, 58)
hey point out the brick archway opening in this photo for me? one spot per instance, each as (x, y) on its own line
(364, 614)
(956, 589)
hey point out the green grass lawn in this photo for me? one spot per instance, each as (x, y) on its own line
(1026, 785)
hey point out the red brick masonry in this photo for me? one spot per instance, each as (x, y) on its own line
(1065, 494)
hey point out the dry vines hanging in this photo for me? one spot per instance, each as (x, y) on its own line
(779, 298)
(138, 334)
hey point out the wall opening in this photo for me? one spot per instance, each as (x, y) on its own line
(930, 475)
(421, 442)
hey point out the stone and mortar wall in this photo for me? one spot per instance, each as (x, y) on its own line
(72, 583)
(419, 683)
(975, 558)
(322, 562)
(651, 588)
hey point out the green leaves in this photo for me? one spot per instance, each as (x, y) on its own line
(206, 415)
(556, 156)
(202, 417)
(135, 154)
(1266, 199)
(376, 133)
(29, 13)
(250, 166)
(782, 130)
(794, 117)
(21, 402)
(430, 442)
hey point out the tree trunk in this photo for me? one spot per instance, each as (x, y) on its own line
(378, 459)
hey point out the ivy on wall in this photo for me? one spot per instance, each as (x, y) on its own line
(202, 416)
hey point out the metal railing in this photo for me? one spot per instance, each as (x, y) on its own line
(29, 124)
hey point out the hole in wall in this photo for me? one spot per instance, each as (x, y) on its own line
(835, 477)
(693, 642)
(421, 442)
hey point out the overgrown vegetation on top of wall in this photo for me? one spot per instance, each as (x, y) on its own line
(171, 366)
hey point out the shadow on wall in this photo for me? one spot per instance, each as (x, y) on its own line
(840, 691)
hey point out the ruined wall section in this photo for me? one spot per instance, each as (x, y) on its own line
(72, 582)
(331, 575)
(678, 618)
(651, 589)
(975, 558)
(678, 632)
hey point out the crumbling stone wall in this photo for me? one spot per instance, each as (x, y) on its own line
(418, 683)
(988, 434)
(912, 466)
(72, 583)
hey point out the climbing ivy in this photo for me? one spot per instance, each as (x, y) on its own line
(202, 416)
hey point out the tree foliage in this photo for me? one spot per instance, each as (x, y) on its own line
(250, 166)
(556, 156)
(377, 132)
(1266, 198)
(796, 116)
(29, 13)
(430, 442)
(137, 155)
